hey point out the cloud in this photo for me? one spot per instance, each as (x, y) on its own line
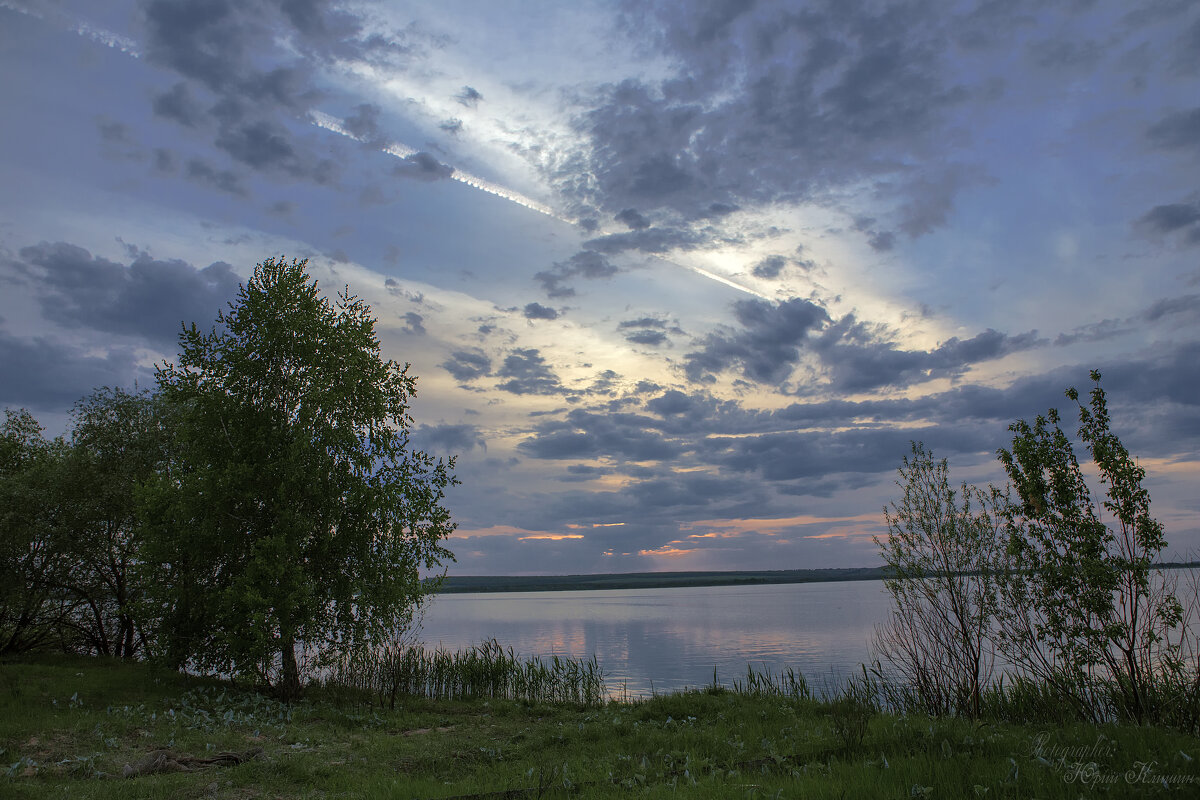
(469, 97)
(450, 438)
(585, 264)
(422, 167)
(148, 299)
(414, 324)
(539, 311)
(856, 356)
(228, 50)
(859, 361)
(770, 267)
(178, 105)
(670, 403)
(44, 373)
(777, 103)
(766, 348)
(467, 365)
(649, 240)
(527, 373)
(881, 241)
(1172, 218)
(642, 322)
(587, 435)
(200, 171)
(112, 131)
(631, 218)
(364, 123)
(646, 337)
(1177, 131)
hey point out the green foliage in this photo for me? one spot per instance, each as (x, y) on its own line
(33, 563)
(1079, 608)
(941, 553)
(118, 442)
(293, 516)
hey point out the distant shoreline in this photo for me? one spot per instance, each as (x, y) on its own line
(463, 584)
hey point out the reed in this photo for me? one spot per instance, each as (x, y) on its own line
(487, 670)
(787, 684)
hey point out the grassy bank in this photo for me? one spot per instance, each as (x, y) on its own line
(68, 728)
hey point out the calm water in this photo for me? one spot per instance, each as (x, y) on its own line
(668, 639)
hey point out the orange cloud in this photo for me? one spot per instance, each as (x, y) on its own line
(553, 537)
(775, 524)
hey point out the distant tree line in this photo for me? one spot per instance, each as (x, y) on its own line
(258, 514)
(1052, 577)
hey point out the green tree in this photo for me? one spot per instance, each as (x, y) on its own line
(117, 445)
(1080, 611)
(941, 551)
(33, 565)
(293, 517)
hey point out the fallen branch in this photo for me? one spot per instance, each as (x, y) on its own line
(169, 761)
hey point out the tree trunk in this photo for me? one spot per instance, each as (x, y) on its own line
(289, 684)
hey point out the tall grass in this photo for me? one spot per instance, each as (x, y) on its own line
(786, 684)
(484, 671)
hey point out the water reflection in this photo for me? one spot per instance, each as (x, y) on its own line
(668, 639)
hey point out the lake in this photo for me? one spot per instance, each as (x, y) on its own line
(668, 639)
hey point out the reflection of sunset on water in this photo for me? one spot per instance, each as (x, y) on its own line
(671, 638)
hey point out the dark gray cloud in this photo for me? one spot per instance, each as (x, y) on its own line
(469, 97)
(266, 145)
(856, 356)
(449, 439)
(467, 365)
(1184, 304)
(364, 123)
(1177, 131)
(670, 403)
(527, 373)
(178, 105)
(770, 267)
(818, 454)
(43, 373)
(422, 167)
(650, 338)
(650, 240)
(881, 241)
(1173, 218)
(200, 171)
(767, 347)
(112, 131)
(251, 95)
(587, 435)
(642, 322)
(858, 361)
(1170, 217)
(585, 264)
(148, 299)
(539, 311)
(631, 218)
(452, 126)
(414, 324)
(810, 98)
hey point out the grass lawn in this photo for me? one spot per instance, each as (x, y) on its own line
(69, 727)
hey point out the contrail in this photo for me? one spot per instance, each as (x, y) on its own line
(399, 150)
(81, 27)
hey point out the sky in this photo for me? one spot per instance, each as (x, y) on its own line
(680, 281)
